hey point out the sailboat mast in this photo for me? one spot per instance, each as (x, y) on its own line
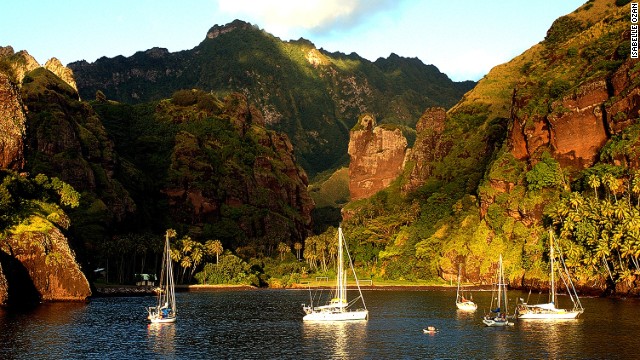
(552, 291)
(340, 274)
(458, 291)
(171, 294)
(500, 282)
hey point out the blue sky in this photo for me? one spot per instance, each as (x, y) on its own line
(463, 38)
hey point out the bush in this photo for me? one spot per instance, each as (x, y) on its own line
(546, 173)
(558, 88)
(563, 29)
(230, 270)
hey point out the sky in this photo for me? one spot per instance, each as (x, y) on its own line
(463, 38)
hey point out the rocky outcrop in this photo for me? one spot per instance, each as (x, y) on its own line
(218, 30)
(20, 63)
(12, 126)
(579, 123)
(377, 157)
(39, 266)
(574, 129)
(64, 73)
(428, 148)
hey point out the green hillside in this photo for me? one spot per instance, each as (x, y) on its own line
(497, 191)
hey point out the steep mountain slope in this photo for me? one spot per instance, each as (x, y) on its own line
(36, 261)
(313, 96)
(526, 138)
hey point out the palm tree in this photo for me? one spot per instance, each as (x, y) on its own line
(197, 254)
(214, 247)
(594, 182)
(321, 247)
(283, 249)
(635, 186)
(298, 247)
(310, 251)
(612, 184)
(171, 233)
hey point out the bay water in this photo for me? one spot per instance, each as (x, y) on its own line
(267, 324)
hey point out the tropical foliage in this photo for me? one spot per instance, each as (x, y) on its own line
(600, 227)
(33, 205)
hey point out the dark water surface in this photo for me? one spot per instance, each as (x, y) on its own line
(267, 324)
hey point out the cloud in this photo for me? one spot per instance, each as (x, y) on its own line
(286, 17)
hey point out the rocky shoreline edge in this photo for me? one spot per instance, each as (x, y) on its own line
(132, 290)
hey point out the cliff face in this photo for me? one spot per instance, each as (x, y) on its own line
(12, 126)
(429, 147)
(579, 123)
(67, 139)
(40, 266)
(241, 177)
(377, 157)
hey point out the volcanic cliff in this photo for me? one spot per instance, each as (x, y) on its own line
(36, 261)
(377, 157)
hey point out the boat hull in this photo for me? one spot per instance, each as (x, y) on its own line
(496, 322)
(467, 306)
(162, 320)
(559, 315)
(336, 316)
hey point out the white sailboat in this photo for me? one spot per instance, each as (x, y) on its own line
(548, 310)
(461, 302)
(498, 316)
(339, 308)
(165, 310)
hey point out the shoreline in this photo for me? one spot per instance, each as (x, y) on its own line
(147, 290)
(102, 290)
(135, 290)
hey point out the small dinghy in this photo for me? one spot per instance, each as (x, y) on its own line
(430, 330)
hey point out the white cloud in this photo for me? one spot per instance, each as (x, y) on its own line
(285, 17)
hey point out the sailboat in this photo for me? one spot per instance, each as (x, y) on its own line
(548, 310)
(498, 316)
(461, 302)
(338, 308)
(165, 310)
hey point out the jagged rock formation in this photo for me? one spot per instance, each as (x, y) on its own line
(21, 63)
(429, 147)
(12, 126)
(64, 73)
(377, 157)
(40, 266)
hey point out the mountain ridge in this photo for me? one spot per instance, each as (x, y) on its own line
(312, 95)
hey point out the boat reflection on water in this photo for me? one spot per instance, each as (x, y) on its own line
(341, 337)
(558, 335)
(161, 338)
(465, 315)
